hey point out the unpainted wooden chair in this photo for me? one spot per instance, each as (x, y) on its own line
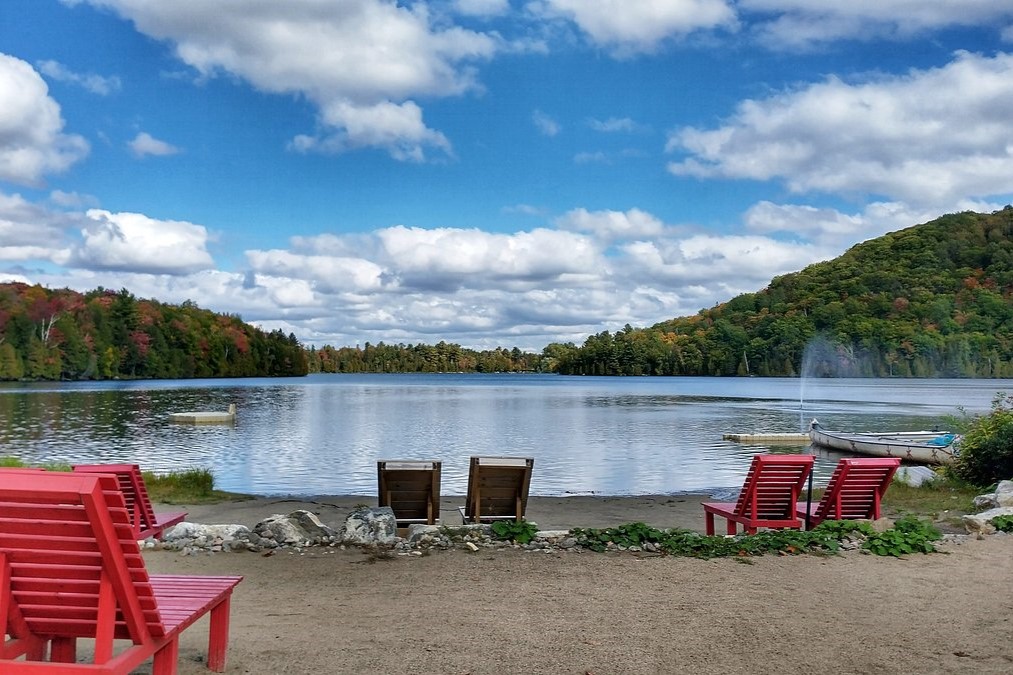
(497, 489)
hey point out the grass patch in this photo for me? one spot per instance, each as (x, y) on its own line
(189, 486)
(944, 500)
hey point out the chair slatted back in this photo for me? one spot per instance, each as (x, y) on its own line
(856, 488)
(135, 493)
(772, 486)
(75, 566)
(411, 489)
(498, 487)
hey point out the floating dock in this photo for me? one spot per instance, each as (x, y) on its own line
(228, 417)
(785, 439)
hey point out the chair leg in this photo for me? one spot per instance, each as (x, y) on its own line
(218, 639)
(63, 650)
(167, 658)
(709, 519)
(732, 527)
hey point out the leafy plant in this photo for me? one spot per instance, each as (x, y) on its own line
(520, 531)
(908, 535)
(1003, 523)
(986, 450)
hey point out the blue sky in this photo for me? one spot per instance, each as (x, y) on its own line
(486, 172)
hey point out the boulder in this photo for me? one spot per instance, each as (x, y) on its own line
(298, 528)
(1004, 493)
(187, 530)
(979, 522)
(370, 526)
(915, 476)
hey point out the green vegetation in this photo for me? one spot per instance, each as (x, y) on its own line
(986, 450)
(520, 531)
(910, 535)
(1003, 523)
(946, 499)
(440, 358)
(189, 486)
(64, 335)
(929, 301)
(16, 463)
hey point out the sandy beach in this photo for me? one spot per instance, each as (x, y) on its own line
(326, 610)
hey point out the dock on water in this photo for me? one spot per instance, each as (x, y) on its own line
(785, 439)
(228, 417)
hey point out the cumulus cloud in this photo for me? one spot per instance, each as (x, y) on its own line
(32, 141)
(359, 61)
(612, 225)
(96, 84)
(482, 8)
(31, 232)
(802, 23)
(894, 136)
(545, 124)
(134, 242)
(145, 144)
(613, 125)
(628, 27)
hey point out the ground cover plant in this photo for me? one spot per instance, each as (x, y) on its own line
(520, 531)
(909, 535)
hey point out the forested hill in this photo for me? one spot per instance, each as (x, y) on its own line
(932, 300)
(62, 334)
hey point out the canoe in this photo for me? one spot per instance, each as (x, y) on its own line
(927, 447)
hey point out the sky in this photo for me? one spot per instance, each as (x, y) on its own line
(485, 172)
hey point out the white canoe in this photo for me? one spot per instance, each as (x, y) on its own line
(927, 447)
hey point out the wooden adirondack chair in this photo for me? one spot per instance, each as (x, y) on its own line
(854, 491)
(71, 568)
(411, 489)
(146, 521)
(768, 495)
(497, 488)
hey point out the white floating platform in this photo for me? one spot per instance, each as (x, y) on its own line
(228, 417)
(792, 439)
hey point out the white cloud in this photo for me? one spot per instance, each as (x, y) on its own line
(891, 136)
(32, 142)
(145, 144)
(133, 242)
(545, 124)
(351, 58)
(482, 8)
(803, 23)
(96, 84)
(613, 125)
(72, 199)
(612, 225)
(628, 27)
(30, 232)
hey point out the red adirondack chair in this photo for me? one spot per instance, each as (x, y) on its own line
(768, 496)
(146, 521)
(854, 491)
(70, 568)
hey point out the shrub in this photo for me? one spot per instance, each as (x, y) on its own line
(521, 531)
(986, 450)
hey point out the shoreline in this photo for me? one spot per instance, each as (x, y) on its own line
(549, 513)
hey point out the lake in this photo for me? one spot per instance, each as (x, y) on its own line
(589, 435)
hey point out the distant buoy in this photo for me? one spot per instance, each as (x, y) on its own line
(228, 417)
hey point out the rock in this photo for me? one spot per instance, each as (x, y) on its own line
(979, 522)
(915, 476)
(294, 529)
(982, 502)
(1004, 493)
(369, 526)
(881, 524)
(187, 530)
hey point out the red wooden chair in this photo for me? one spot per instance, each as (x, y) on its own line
(768, 496)
(146, 521)
(497, 489)
(71, 568)
(855, 490)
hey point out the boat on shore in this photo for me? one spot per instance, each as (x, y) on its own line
(926, 447)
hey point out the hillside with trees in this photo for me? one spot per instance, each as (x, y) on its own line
(442, 357)
(933, 300)
(65, 335)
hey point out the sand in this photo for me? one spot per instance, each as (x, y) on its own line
(325, 610)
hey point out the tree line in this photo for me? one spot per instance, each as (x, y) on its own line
(934, 300)
(65, 335)
(442, 357)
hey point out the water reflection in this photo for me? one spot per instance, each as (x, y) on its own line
(323, 434)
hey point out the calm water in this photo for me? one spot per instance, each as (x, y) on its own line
(323, 434)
